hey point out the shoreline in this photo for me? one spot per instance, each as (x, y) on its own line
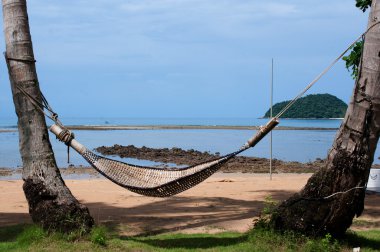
(162, 127)
(176, 127)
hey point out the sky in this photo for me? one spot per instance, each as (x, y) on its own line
(184, 58)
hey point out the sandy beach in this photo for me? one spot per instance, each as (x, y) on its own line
(224, 202)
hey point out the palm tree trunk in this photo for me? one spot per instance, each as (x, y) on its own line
(51, 203)
(349, 160)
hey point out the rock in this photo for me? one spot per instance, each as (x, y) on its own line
(192, 157)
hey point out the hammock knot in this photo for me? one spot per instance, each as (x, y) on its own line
(65, 136)
(54, 117)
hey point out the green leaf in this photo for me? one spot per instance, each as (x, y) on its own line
(363, 4)
(353, 59)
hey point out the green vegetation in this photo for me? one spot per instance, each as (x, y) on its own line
(99, 235)
(353, 59)
(32, 238)
(363, 4)
(312, 106)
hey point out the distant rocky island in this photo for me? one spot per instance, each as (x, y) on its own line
(312, 106)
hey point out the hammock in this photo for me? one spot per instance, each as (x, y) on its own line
(158, 182)
(151, 181)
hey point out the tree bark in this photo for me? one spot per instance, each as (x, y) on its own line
(51, 203)
(349, 160)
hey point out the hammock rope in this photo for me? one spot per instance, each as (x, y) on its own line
(152, 181)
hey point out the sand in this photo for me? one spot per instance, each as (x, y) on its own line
(224, 202)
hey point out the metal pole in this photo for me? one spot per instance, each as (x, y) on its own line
(271, 116)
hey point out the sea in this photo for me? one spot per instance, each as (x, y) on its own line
(289, 145)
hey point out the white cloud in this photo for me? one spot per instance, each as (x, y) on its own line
(173, 31)
(198, 43)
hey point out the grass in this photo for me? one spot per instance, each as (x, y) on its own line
(33, 238)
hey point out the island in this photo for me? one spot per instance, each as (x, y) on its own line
(313, 106)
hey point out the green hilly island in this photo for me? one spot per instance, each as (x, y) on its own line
(312, 106)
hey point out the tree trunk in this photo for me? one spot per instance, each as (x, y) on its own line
(349, 160)
(51, 203)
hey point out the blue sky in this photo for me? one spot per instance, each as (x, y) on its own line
(184, 58)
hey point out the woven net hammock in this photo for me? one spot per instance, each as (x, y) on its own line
(157, 182)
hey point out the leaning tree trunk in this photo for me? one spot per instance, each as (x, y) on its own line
(349, 160)
(51, 203)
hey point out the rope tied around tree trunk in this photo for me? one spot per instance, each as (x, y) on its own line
(41, 103)
(24, 60)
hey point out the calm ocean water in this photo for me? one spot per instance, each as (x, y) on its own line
(290, 145)
(12, 122)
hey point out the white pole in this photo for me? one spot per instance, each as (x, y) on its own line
(271, 116)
